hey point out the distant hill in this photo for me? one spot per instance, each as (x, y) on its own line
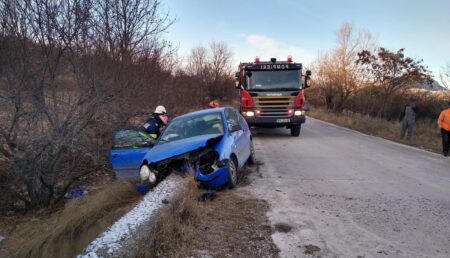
(431, 85)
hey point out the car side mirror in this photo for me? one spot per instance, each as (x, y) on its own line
(307, 78)
(235, 128)
(237, 76)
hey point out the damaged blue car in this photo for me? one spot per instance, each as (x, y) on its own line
(213, 144)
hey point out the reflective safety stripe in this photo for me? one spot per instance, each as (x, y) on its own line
(144, 135)
(154, 136)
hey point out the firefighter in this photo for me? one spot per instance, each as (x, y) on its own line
(214, 104)
(408, 119)
(156, 123)
(444, 125)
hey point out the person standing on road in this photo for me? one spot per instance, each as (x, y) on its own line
(156, 123)
(444, 125)
(408, 119)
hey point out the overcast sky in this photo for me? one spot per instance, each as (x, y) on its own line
(278, 28)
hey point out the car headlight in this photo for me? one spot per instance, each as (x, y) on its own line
(152, 177)
(145, 172)
(299, 112)
(250, 113)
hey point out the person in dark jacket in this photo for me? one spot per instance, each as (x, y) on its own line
(408, 119)
(156, 123)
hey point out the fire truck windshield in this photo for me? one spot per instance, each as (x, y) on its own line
(277, 80)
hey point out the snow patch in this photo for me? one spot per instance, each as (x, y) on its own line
(111, 240)
(2, 238)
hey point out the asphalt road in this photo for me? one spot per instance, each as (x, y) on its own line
(352, 195)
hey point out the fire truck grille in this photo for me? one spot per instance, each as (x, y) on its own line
(274, 106)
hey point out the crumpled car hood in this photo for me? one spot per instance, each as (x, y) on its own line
(172, 149)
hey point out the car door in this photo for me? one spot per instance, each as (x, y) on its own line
(247, 142)
(129, 148)
(238, 143)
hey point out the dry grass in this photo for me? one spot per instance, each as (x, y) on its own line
(174, 226)
(67, 232)
(426, 134)
(230, 225)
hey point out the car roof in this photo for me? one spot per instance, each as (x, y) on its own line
(202, 112)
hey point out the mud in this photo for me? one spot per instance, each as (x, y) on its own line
(311, 249)
(283, 228)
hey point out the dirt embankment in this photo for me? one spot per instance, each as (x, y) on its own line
(68, 231)
(226, 224)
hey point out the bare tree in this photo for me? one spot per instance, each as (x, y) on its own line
(444, 76)
(211, 67)
(337, 74)
(221, 70)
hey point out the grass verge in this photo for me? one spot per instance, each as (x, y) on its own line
(67, 232)
(426, 134)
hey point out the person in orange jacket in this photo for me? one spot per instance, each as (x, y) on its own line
(444, 125)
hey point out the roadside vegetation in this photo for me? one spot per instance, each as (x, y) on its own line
(71, 72)
(66, 231)
(426, 133)
(225, 223)
(363, 86)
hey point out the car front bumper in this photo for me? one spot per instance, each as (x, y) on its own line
(216, 178)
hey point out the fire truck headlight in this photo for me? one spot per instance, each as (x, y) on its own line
(250, 113)
(299, 112)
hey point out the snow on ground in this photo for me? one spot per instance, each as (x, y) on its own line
(111, 240)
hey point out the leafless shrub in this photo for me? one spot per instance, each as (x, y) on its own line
(69, 72)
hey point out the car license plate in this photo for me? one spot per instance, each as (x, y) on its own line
(283, 120)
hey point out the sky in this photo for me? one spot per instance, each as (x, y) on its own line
(302, 29)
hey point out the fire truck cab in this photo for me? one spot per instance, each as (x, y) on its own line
(271, 93)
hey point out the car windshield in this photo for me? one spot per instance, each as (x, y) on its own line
(130, 139)
(274, 80)
(188, 127)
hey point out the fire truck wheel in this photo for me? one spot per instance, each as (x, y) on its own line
(295, 130)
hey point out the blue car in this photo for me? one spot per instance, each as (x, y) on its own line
(213, 144)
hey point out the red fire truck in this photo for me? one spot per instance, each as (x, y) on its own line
(272, 93)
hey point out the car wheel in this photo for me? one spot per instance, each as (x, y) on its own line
(232, 173)
(295, 130)
(251, 160)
